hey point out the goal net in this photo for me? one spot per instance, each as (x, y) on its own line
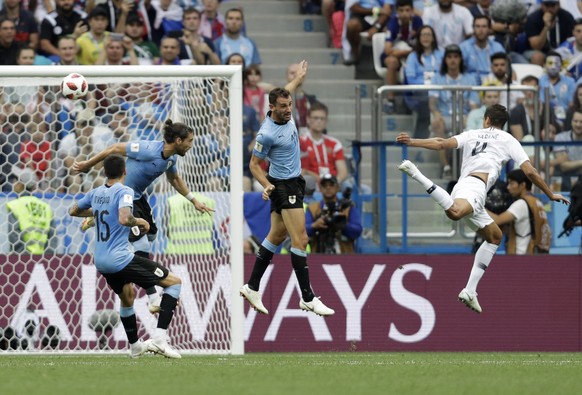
(51, 297)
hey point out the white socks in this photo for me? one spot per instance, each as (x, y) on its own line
(160, 333)
(482, 260)
(437, 193)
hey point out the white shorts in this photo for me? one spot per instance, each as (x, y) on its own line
(474, 191)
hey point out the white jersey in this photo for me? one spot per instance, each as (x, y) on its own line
(487, 150)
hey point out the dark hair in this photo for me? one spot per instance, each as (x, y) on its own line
(554, 53)
(404, 3)
(482, 17)
(498, 55)
(174, 130)
(234, 9)
(444, 68)
(24, 48)
(418, 49)
(519, 176)
(235, 54)
(253, 67)
(191, 10)
(576, 105)
(114, 166)
(577, 22)
(277, 93)
(317, 106)
(497, 114)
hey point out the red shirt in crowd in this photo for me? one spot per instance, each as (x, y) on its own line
(320, 156)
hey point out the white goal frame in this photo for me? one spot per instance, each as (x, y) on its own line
(52, 75)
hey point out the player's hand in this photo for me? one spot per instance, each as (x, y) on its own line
(80, 166)
(302, 72)
(556, 197)
(403, 138)
(267, 191)
(143, 225)
(202, 207)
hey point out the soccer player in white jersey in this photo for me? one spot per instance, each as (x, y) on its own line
(278, 141)
(485, 151)
(111, 205)
(147, 160)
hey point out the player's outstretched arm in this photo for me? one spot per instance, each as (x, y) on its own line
(85, 165)
(538, 181)
(299, 78)
(435, 143)
(180, 186)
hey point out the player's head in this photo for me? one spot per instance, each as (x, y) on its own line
(180, 135)
(514, 179)
(497, 115)
(280, 104)
(114, 166)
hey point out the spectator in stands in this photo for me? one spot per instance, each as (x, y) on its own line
(253, 94)
(67, 49)
(475, 117)
(481, 8)
(562, 87)
(212, 22)
(250, 127)
(232, 41)
(513, 38)
(529, 231)
(26, 26)
(546, 28)
(421, 66)
(575, 105)
(521, 117)
(365, 16)
(498, 76)
(573, 45)
(452, 72)
(36, 154)
(332, 224)
(478, 49)
(569, 157)
(8, 46)
(452, 23)
(119, 10)
(333, 12)
(195, 46)
(168, 16)
(147, 51)
(115, 130)
(115, 49)
(30, 220)
(91, 43)
(401, 35)
(320, 153)
(65, 20)
(25, 57)
(301, 100)
(169, 51)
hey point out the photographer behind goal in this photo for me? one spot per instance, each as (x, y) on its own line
(332, 224)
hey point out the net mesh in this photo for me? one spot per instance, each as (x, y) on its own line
(54, 299)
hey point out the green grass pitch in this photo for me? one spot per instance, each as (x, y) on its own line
(306, 374)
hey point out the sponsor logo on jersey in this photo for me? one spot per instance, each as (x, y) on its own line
(127, 199)
(134, 147)
(258, 147)
(170, 164)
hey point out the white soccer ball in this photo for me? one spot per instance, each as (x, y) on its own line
(74, 86)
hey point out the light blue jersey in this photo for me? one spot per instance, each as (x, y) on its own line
(280, 144)
(112, 247)
(145, 163)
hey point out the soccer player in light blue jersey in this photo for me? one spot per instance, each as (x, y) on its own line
(278, 141)
(147, 160)
(111, 207)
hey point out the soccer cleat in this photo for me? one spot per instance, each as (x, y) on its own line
(470, 301)
(88, 222)
(316, 306)
(139, 348)
(161, 347)
(154, 306)
(254, 299)
(408, 167)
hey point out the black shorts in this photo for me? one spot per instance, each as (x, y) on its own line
(142, 209)
(287, 194)
(141, 271)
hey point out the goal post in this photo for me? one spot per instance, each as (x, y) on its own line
(58, 290)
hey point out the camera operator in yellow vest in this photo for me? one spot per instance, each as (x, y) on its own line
(529, 232)
(332, 224)
(190, 231)
(30, 228)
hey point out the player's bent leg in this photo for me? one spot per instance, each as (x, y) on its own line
(438, 194)
(460, 209)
